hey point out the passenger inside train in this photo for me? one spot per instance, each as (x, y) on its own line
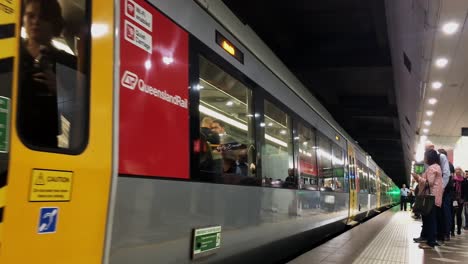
(52, 81)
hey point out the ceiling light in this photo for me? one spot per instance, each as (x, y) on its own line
(262, 124)
(270, 124)
(436, 85)
(450, 28)
(283, 132)
(429, 113)
(441, 62)
(432, 101)
(425, 130)
(229, 103)
(427, 123)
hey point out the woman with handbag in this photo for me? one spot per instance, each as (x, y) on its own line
(458, 200)
(430, 190)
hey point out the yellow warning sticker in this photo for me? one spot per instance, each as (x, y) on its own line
(50, 186)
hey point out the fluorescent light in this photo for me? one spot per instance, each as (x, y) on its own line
(262, 124)
(427, 122)
(237, 124)
(425, 130)
(199, 87)
(432, 101)
(436, 85)
(429, 113)
(441, 62)
(283, 132)
(229, 103)
(304, 143)
(222, 117)
(275, 140)
(450, 28)
(270, 124)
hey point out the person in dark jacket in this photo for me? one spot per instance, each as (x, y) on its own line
(458, 200)
(38, 114)
(465, 197)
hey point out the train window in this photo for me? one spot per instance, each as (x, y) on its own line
(306, 157)
(277, 159)
(225, 127)
(54, 74)
(324, 154)
(363, 177)
(372, 182)
(338, 161)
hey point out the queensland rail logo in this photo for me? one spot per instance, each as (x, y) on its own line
(129, 80)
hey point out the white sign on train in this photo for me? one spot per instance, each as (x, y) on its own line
(138, 37)
(139, 14)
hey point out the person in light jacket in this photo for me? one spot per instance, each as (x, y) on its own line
(433, 177)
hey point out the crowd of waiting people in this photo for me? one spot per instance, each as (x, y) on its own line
(449, 186)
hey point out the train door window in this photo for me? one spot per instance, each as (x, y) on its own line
(306, 157)
(54, 75)
(226, 128)
(277, 159)
(372, 182)
(325, 169)
(363, 178)
(339, 169)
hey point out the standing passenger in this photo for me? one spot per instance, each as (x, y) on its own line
(446, 215)
(38, 121)
(465, 198)
(433, 177)
(403, 197)
(457, 200)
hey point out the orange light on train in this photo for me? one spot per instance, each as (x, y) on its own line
(227, 47)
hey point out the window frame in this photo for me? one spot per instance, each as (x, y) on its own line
(198, 49)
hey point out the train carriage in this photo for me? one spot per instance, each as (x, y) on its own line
(128, 127)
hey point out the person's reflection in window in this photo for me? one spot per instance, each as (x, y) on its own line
(38, 115)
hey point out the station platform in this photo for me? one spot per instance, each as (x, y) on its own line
(386, 238)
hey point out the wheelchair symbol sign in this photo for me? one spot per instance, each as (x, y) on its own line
(48, 220)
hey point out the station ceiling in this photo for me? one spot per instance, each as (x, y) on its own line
(340, 51)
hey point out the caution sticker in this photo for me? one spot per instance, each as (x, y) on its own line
(50, 186)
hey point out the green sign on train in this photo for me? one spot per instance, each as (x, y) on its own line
(4, 123)
(206, 241)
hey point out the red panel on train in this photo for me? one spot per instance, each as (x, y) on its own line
(154, 128)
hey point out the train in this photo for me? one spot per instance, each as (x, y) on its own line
(136, 131)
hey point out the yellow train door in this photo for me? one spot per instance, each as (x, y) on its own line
(378, 192)
(54, 199)
(352, 175)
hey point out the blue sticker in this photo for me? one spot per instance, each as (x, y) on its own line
(48, 220)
